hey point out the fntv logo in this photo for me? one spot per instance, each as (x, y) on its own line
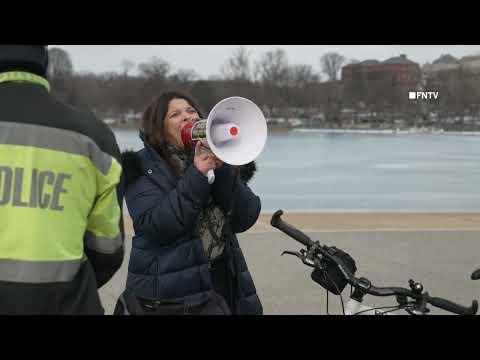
(422, 95)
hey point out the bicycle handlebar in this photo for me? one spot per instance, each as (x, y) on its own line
(452, 307)
(288, 229)
(363, 283)
(475, 275)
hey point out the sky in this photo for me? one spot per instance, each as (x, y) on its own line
(206, 60)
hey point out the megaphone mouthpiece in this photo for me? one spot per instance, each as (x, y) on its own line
(223, 132)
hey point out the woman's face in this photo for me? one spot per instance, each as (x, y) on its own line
(179, 114)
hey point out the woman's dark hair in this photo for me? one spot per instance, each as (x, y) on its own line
(153, 122)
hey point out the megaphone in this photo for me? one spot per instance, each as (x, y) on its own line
(235, 131)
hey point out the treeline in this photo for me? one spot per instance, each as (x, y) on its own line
(282, 89)
(459, 95)
(457, 104)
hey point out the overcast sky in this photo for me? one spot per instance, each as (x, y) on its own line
(206, 60)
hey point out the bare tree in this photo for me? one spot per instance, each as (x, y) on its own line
(332, 104)
(60, 74)
(331, 63)
(237, 67)
(155, 68)
(127, 66)
(214, 77)
(59, 64)
(272, 69)
(184, 76)
(272, 74)
(302, 75)
(354, 92)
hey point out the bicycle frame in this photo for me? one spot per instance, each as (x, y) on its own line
(313, 256)
(353, 307)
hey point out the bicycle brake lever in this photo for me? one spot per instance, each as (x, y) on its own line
(295, 253)
(301, 256)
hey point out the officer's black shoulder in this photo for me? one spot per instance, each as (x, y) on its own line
(87, 123)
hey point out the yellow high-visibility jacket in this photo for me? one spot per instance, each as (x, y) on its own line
(61, 228)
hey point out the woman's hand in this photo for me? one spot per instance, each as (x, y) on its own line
(204, 160)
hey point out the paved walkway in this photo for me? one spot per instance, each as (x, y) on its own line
(440, 259)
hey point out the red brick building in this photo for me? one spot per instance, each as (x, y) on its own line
(400, 70)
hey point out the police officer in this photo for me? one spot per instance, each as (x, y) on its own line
(61, 229)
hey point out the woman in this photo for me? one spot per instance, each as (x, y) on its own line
(185, 255)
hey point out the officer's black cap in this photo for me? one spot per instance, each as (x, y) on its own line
(30, 58)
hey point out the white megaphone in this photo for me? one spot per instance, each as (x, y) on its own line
(235, 130)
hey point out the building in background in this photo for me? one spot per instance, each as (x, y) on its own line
(448, 62)
(399, 70)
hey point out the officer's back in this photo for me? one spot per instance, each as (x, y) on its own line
(61, 230)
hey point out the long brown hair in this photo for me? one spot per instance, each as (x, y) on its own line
(153, 123)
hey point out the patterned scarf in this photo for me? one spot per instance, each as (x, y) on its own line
(211, 220)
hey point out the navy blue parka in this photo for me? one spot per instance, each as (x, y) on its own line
(168, 261)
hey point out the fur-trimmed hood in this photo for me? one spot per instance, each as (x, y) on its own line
(132, 168)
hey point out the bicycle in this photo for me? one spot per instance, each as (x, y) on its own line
(334, 269)
(475, 275)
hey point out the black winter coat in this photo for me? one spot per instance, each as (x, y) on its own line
(168, 261)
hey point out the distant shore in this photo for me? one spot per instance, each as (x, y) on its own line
(372, 130)
(364, 221)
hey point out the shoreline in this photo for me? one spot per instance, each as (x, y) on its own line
(353, 130)
(373, 130)
(364, 221)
